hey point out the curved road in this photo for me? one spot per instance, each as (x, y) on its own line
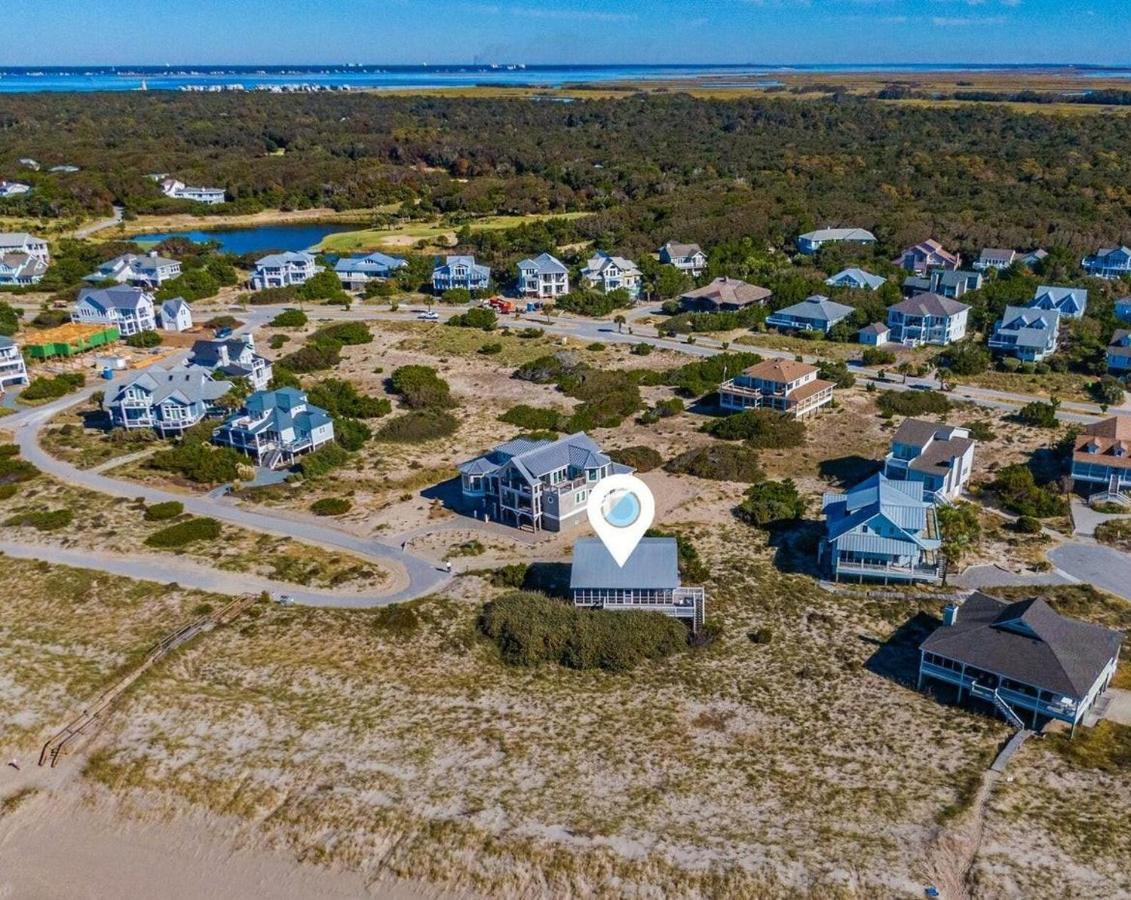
(87, 230)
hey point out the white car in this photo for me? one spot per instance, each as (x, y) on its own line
(429, 316)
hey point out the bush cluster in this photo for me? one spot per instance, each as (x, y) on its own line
(331, 506)
(770, 502)
(1017, 491)
(289, 318)
(694, 379)
(323, 460)
(641, 458)
(418, 425)
(42, 520)
(144, 339)
(533, 418)
(481, 317)
(721, 462)
(271, 296)
(46, 388)
(160, 511)
(182, 533)
(912, 403)
(759, 428)
(198, 461)
(421, 388)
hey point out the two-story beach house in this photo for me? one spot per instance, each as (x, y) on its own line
(927, 319)
(998, 258)
(129, 309)
(1119, 352)
(175, 315)
(816, 313)
(856, 279)
(355, 272)
(139, 270)
(1110, 262)
(1101, 458)
(648, 581)
(951, 283)
(1024, 658)
(925, 256)
(27, 244)
(610, 273)
(542, 278)
(882, 529)
(789, 387)
(812, 241)
(12, 368)
(1070, 302)
(724, 294)
(276, 427)
(940, 456)
(233, 357)
(538, 485)
(178, 190)
(21, 270)
(166, 400)
(1028, 334)
(688, 258)
(283, 270)
(460, 272)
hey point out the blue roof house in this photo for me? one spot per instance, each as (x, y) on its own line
(355, 272)
(283, 270)
(275, 427)
(1028, 334)
(882, 529)
(856, 279)
(816, 313)
(812, 241)
(460, 272)
(1123, 309)
(1070, 302)
(1110, 262)
(166, 400)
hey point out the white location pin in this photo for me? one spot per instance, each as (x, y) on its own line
(621, 509)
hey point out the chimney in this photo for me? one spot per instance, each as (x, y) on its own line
(950, 614)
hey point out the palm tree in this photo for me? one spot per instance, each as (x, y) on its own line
(620, 320)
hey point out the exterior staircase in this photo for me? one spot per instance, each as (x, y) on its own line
(1112, 495)
(1007, 712)
(271, 459)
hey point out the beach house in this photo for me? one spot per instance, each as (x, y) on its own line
(27, 244)
(688, 258)
(129, 309)
(460, 272)
(1028, 334)
(1070, 302)
(939, 456)
(812, 241)
(542, 277)
(927, 319)
(175, 315)
(927, 255)
(815, 313)
(856, 279)
(784, 385)
(723, 294)
(284, 270)
(1110, 262)
(1101, 458)
(355, 272)
(12, 368)
(166, 400)
(276, 427)
(139, 270)
(233, 357)
(611, 273)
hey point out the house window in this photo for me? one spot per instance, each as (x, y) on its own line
(579, 497)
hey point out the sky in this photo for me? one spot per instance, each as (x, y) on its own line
(259, 32)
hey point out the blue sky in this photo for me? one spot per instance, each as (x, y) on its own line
(65, 32)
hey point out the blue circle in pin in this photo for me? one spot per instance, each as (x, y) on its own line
(621, 508)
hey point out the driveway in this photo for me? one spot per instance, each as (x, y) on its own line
(1106, 568)
(977, 577)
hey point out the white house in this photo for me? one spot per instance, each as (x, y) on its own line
(610, 273)
(856, 279)
(166, 400)
(12, 368)
(1028, 334)
(927, 319)
(1070, 302)
(283, 270)
(176, 315)
(13, 188)
(995, 258)
(688, 258)
(816, 313)
(21, 269)
(233, 357)
(460, 272)
(276, 427)
(149, 270)
(355, 272)
(875, 334)
(940, 456)
(129, 309)
(812, 241)
(28, 244)
(783, 385)
(543, 277)
(178, 190)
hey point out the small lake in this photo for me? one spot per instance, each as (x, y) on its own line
(254, 239)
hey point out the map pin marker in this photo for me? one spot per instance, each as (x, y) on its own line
(621, 509)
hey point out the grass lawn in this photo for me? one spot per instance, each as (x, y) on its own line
(1064, 385)
(407, 235)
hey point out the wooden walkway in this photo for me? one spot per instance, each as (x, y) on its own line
(1011, 746)
(92, 718)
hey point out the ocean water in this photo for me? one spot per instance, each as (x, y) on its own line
(160, 78)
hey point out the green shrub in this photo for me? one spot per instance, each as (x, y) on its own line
(663, 409)
(418, 425)
(770, 502)
(591, 303)
(530, 629)
(14, 470)
(351, 434)
(224, 321)
(198, 461)
(331, 506)
(421, 388)
(1018, 492)
(760, 428)
(874, 356)
(144, 339)
(490, 348)
(456, 296)
(1108, 391)
(324, 285)
(965, 358)
(161, 511)
(912, 403)
(42, 520)
(182, 533)
(533, 417)
(277, 340)
(705, 375)
(482, 317)
(719, 462)
(323, 460)
(398, 620)
(9, 319)
(346, 333)
(512, 575)
(641, 458)
(691, 566)
(290, 318)
(1038, 414)
(341, 398)
(314, 357)
(272, 296)
(544, 369)
(642, 349)
(1028, 525)
(48, 388)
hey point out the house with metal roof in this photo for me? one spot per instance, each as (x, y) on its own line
(951, 283)
(13, 189)
(724, 294)
(1070, 302)
(1109, 262)
(816, 313)
(927, 319)
(784, 385)
(276, 427)
(688, 258)
(129, 309)
(178, 190)
(874, 335)
(20, 269)
(1026, 659)
(1033, 257)
(647, 582)
(856, 279)
(927, 255)
(283, 270)
(1028, 334)
(460, 272)
(542, 278)
(939, 456)
(139, 270)
(812, 241)
(22, 242)
(1101, 458)
(166, 400)
(537, 485)
(175, 315)
(355, 272)
(12, 368)
(233, 357)
(612, 273)
(998, 258)
(882, 529)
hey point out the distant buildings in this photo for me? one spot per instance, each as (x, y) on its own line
(233, 357)
(129, 309)
(12, 368)
(178, 190)
(927, 319)
(789, 387)
(995, 258)
(856, 279)
(1028, 334)
(355, 272)
(1024, 658)
(723, 294)
(538, 485)
(611, 273)
(812, 241)
(1119, 352)
(542, 278)
(882, 529)
(1070, 302)
(816, 313)
(276, 427)
(13, 189)
(166, 400)
(939, 456)
(688, 258)
(149, 270)
(284, 270)
(1101, 456)
(951, 283)
(647, 582)
(460, 272)
(925, 256)
(1110, 262)
(1123, 309)
(175, 315)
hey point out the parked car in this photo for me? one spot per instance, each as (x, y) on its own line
(222, 333)
(429, 316)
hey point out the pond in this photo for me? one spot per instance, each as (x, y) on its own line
(255, 239)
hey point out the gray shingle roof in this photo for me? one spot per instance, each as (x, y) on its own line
(839, 234)
(930, 305)
(120, 297)
(860, 276)
(274, 260)
(1068, 300)
(676, 250)
(653, 565)
(1029, 327)
(818, 308)
(901, 502)
(191, 384)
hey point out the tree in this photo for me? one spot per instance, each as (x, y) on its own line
(1038, 414)
(325, 285)
(9, 319)
(965, 358)
(771, 502)
(1108, 391)
(960, 528)
(620, 320)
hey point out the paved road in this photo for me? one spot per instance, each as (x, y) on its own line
(977, 577)
(101, 225)
(1105, 567)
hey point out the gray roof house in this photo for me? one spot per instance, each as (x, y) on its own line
(995, 258)
(648, 581)
(12, 368)
(1110, 262)
(21, 269)
(148, 270)
(129, 309)
(927, 319)
(22, 242)
(951, 283)
(175, 315)
(543, 277)
(816, 313)
(283, 270)
(1025, 658)
(355, 272)
(1028, 334)
(812, 241)
(882, 529)
(1119, 352)
(610, 273)
(536, 485)
(234, 357)
(688, 258)
(166, 400)
(856, 279)
(874, 335)
(1070, 302)
(724, 294)
(460, 272)
(940, 456)
(276, 427)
